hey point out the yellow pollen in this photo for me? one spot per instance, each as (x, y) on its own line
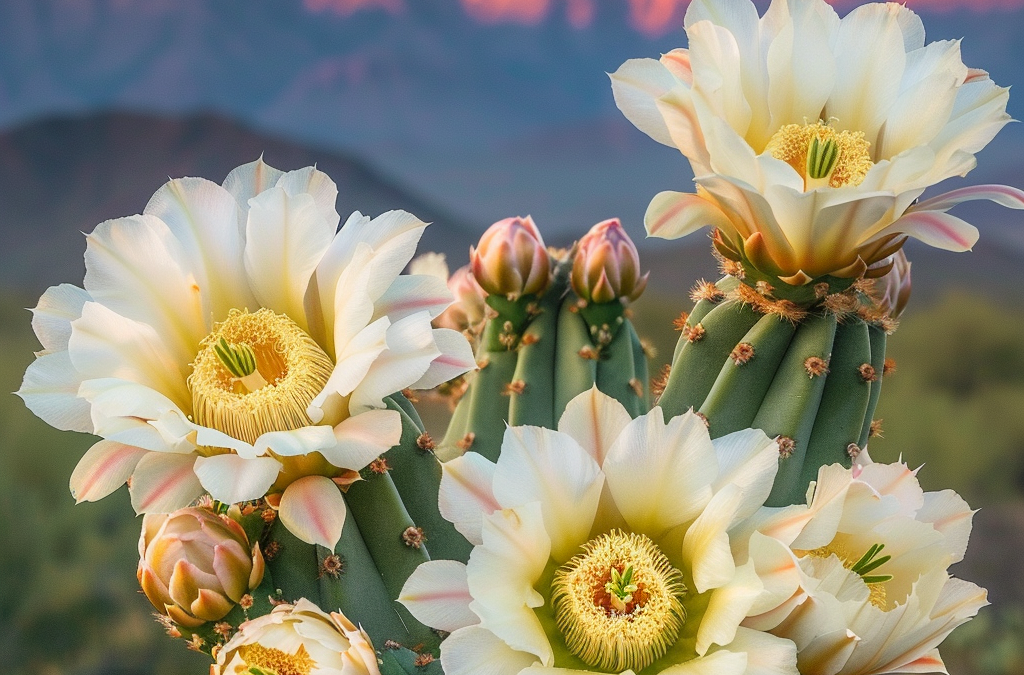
(607, 627)
(293, 368)
(837, 158)
(270, 661)
(876, 590)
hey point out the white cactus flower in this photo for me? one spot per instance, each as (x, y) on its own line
(232, 340)
(858, 578)
(811, 137)
(602, 547)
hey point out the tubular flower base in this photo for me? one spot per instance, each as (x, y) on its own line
(604, 547)
(232, 341)
(858, 578)
(811, 137)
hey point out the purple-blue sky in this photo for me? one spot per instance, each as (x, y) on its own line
(490, 107)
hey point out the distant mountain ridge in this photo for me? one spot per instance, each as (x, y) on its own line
(62, 176)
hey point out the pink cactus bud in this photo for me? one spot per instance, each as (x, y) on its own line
(607, 266)
(893, 289)
(511, 259)
(195, 565)
(468, 311)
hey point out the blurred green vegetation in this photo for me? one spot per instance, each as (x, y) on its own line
(69, 603)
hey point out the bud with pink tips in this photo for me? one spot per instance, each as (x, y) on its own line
(511, 259)
(607, 266)
(196, 565)
(469, 310)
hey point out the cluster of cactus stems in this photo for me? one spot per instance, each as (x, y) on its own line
(538, 351)
(808, 373)
(392, 525)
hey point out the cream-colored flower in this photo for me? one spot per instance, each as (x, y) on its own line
(232, 340)
(298, 639)
(858, 578)
(602, 547)
(195, 565)
(467, 313)
(812, 137)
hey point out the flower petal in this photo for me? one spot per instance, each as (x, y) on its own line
(672, 215)
(551, 468)
(53, 314)
(949, 514)
(466, 494)
(766, 654)
(749, 460)
(410, 351)
(706, 543)
(362, 438)
(103, 468)
(937, 229)
(318, 185)
(50, 390)
(1004, 195)
(412, 293)
(437, 594)
(477, 651)
(456, 358)
(722, 662)
(164, 482)
(247, 181)
(232, 479)
(636, 86)
(594, 420)
(313, 509)
(295, 442)
(727, 608)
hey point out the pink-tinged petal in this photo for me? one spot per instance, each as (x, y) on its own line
(929, 663)
(636, 86)
(362, 438)
(259, 567)
(437, 594)
(672, 215)
(477, 651)
(410, 351)
(937, 229)
(232, 479)
(53, 314)
(185, 582)
(50, 390)
(828, 653)
(594, 420)
(203, 217)
(466, 495)
(677, 62)
(286, 236)
(778, 570)
(313, 509)
(247, 181)
(164, 482)
(949, 514)
(211, 605)
(411, 293)
(231, 563)
(104, 468)
(181, 617)
(1004, 195)
(456, 358)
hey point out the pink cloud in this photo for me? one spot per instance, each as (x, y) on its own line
(350, 7)
(527, 12)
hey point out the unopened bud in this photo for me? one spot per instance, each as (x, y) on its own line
(469, 309)
(511, 259)
(893, 289)
(607, 266)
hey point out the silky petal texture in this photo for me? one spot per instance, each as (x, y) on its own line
(412, 293)
(477, 651)
(706, 543)
(936, 229)
(296, 442)
(594, 420)
(801, 67)
(437, 594)
(541, 465)
(727, 608)
(352, 366)
(766, 654)
(949, 514)
(123, 411)
(247, 181)
(410, 351)
(318, 185)
(455, 359)
(203, 217)
(929, 663)
(232, 479)
(360, 439)
(717, 663)
(660, 474)
(466, 495)
(135, 267)
(636, 85)
(672, 215)
(1004, 195)
(749, 460)
(313, 509)
(50, 391)
(53, 314)
(103, 468)
(164, 482)
(105, 344)
(285, 238)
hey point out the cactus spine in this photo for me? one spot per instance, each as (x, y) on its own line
(810, 376)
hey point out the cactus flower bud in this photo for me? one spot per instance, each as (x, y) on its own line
(607, 266)
(298, 639)
(893, 289)
(196, 565)
(511, 259)
(468, 311)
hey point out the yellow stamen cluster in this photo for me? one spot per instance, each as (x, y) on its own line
(270, 661)
(876, 585)
(612, 630)
(822, 155)
(293, 367)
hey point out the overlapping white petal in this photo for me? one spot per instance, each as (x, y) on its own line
(743, 79)
(551, 492)
(118, 355)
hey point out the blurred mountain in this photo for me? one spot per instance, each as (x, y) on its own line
(62, 176)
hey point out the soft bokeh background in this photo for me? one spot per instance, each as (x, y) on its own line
(464, 112)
